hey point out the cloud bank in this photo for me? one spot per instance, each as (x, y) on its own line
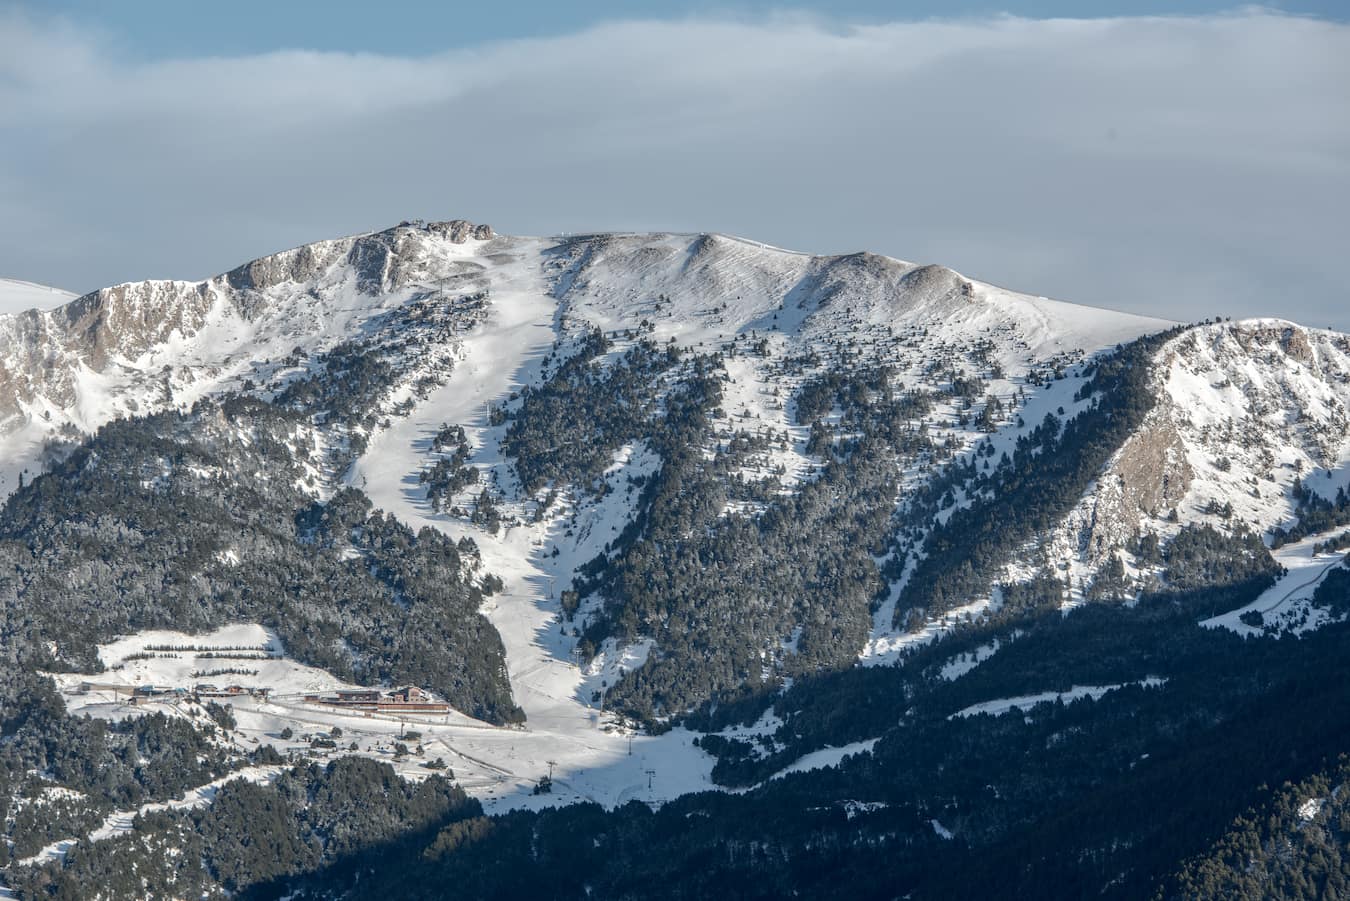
(1184, 167)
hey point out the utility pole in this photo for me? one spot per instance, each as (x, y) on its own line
(630, 744)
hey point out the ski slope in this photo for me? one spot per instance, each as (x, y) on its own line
(498, 765)
(592, 752)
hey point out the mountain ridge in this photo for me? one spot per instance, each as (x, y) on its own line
(106, 341)
(716, 516)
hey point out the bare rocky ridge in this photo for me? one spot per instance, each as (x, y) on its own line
(1149, 474)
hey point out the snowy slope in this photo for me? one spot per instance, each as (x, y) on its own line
(466, 318)
(500, 765)
(17, 296)
(141, 346)
(1285, 606)
(704, 289)
(705, 292)
(138, 347)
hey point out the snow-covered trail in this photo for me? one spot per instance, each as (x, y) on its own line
(1305, 585)
(563, 730)
(1286, 603)
(502, 355)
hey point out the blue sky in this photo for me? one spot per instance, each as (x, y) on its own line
(1188, 166)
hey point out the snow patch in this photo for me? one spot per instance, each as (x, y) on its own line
(826, 757)
(1001, 706)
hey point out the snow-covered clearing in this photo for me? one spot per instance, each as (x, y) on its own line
(1285, 606)
(963, 663)
(1000, 706)
(888, 643)
(825, 757)
(498, 765)
(1309, 809)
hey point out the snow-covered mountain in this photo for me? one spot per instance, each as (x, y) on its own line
(697, 472)
(135, 348)
(141, 346)
(1246, 407)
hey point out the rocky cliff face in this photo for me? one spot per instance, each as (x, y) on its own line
(1146, 479)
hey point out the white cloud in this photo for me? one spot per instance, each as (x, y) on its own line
(1181, 166)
